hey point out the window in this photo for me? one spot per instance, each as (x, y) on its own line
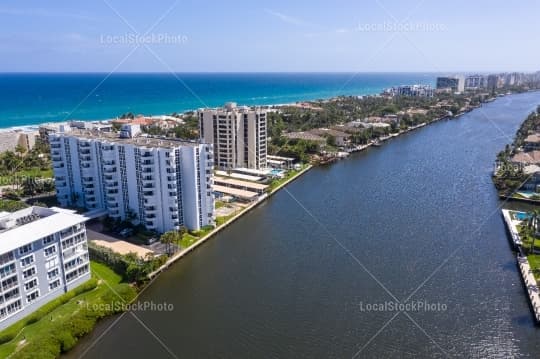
(27, 260)
(53, 273)
(25, 249)
(48, 239)
(29, 272)
(7, 270)
(11, 294)
(31, 284)
(54, 285)
(32, 296)
(49, 250)
(51, 263)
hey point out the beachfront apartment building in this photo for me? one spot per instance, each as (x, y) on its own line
(475, 82)
(239, 135)
(161, 183)
(455, 83)
(411, 91)
(43, 254)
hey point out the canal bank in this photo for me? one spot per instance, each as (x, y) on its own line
(219, 228)
(422, 216)
(527, 276)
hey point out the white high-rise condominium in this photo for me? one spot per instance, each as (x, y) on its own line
(161, 183)
(238, 135)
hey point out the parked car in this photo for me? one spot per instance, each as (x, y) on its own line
(151, 240)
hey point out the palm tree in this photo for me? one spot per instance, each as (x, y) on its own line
(533, 224)
(169, 238)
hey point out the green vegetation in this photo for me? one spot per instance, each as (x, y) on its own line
(529, 232)
(534, 262)
(19, 165)
(130, 267)
(56, 327)
(510, 177)
(341, 110)
(188, 130)
(10, 205)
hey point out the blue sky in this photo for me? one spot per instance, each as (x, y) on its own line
(339, 35)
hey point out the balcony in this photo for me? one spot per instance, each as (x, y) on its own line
(111, 183)
(75, 251)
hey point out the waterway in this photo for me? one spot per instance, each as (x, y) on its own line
(302, 274)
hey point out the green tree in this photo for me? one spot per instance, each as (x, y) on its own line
(168, 238)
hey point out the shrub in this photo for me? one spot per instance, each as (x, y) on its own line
(10, 332)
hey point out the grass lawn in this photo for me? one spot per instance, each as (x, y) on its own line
(534, 261)
(188, 240)
(221, 220)
(37, 329)
(220, 204)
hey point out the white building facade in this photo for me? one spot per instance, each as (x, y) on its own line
(43, 254)
(239, 135)
(161, 183)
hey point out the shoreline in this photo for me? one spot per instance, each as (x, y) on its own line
(35, 127)
(261, 199)
(527, 277)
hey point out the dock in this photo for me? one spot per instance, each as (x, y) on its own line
(511, 225)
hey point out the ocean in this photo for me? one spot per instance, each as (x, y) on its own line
(34, 98)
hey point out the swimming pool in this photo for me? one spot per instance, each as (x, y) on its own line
(276, 172)
(521, 216)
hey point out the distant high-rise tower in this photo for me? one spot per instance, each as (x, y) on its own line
(238, 135)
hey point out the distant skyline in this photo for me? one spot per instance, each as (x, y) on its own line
(278, 36)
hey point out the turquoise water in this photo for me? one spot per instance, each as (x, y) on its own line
(36, 98)
(522, 216)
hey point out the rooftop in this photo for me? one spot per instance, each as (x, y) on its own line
(527, 157)
(240, 193)
(534, 138)
(235, 182)
(308, 136)
(30, 224)
(143, 141)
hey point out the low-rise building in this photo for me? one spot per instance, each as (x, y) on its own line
(43, 254)
(532, 142)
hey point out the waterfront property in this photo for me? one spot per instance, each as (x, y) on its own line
(162, 184)
(238, 135)
(455, 84)
(43, 254)
(513, 220)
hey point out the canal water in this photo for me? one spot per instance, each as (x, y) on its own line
(316, 271)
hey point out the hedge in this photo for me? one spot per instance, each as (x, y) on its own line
(11, 332)
(63, 335)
